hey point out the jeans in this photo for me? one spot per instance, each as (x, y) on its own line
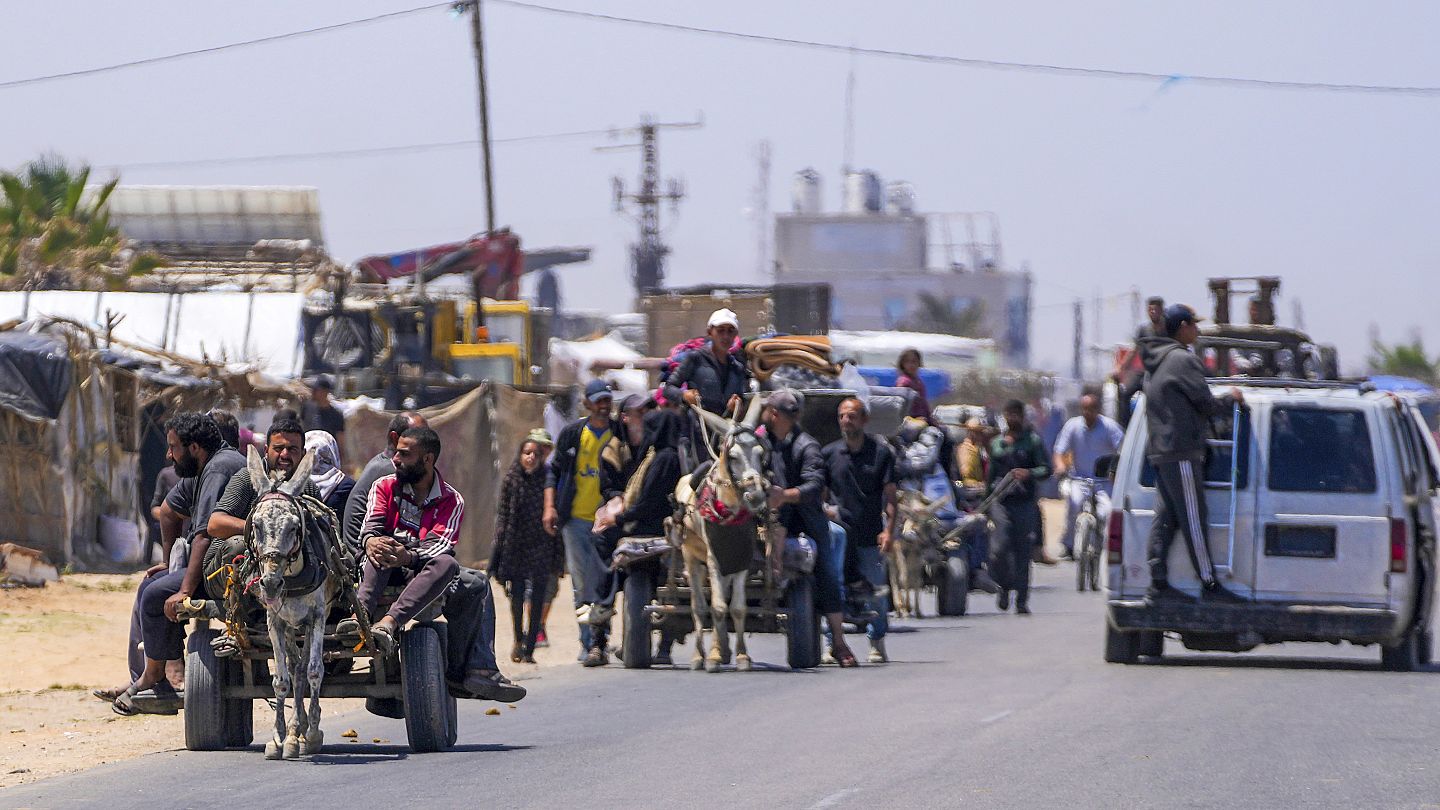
(829, 568)
(1075, 492)
(872, 565)
(470, 612)
(588, 574)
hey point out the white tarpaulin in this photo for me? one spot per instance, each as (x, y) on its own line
(571, 362)
(876, 348)
(260, 329)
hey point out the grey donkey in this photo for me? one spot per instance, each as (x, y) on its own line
(296, 621)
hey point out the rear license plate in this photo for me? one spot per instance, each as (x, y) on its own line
(1299, 541)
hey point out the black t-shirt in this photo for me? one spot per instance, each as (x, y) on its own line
(240, 495)
(327, 418)
(195, 498)
(857, 484)
(165, 481)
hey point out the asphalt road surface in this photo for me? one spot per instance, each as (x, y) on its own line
(980, 711)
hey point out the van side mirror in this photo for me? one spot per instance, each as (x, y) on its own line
(1105, 466)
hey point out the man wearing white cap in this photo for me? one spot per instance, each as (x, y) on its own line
(712, 377)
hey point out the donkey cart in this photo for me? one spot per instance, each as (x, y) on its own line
(409, 683)
(658, 598)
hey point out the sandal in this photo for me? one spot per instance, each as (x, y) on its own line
(165, 701)
(845, 659)
(109, 695)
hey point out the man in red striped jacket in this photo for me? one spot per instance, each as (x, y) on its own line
(409, 534)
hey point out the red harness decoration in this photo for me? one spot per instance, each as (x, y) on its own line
(714, 510)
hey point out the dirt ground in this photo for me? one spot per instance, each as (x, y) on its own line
(63, 640)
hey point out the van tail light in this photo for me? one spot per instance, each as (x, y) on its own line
(1399, 545)
(1115, 537)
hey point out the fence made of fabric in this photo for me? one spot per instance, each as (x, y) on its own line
(480, 435)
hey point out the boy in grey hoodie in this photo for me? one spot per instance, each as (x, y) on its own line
(1178, 406)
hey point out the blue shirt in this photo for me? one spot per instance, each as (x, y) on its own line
(1086, 445)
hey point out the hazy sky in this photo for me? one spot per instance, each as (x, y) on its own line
(1099, 184)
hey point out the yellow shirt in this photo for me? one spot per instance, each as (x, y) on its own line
(587, 473)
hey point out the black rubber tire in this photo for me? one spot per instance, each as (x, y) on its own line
(1121, 646)
(1152, 643)
(394, 708)
(635, 630)
(428, 702)
(953, 598)
(205, 715)
(802, 627)
(1427, 643)
(1404, 656)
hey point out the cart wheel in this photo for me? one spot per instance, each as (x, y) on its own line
(394, 708)
(635, 633)
(1121, 646)
(952, 597)
(205, 715)
(802, 628)
(428, 702)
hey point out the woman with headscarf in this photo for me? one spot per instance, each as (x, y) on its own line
(332, 481)
(525, 558)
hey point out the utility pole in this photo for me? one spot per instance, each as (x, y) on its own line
(763, 270)
(477, 34)
(648, 253)
(1076, 371)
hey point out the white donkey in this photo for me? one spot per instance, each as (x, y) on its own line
(733, 493)
(297, 598)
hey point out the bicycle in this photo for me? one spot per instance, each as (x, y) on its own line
(1089, 531)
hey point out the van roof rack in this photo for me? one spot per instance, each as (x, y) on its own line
(1290, 382)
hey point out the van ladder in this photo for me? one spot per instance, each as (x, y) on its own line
(1233, 485)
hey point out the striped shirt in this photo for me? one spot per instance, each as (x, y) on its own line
(428, 528)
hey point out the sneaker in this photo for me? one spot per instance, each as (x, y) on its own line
(662, 658)
(491, 685)
(1002, 600)
(877, 652)
(1022, 609)
(596, 657)
(541, 641)
(601, 613)
(981, 580)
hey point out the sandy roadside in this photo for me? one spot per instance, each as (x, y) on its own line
(61, 641)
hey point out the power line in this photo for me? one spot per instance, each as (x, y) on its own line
(154, 60)
(432, 146)
(989, 64)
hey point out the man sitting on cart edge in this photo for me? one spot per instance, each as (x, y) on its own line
(409, 538)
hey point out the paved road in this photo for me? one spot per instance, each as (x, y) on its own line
(982, 711)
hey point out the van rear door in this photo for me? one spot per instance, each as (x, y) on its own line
(1322, 534)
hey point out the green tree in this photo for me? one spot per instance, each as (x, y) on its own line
(940, 315)
(1405, 360)
(53, 235)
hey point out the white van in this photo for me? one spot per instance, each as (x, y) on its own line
(1322, 505)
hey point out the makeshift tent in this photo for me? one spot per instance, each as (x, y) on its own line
(579, 361)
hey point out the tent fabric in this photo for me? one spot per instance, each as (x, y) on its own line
(480, 434)
(34, 374)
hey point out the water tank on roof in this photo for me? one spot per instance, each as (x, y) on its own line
(805, 192)
(862, 193)
(900, 198)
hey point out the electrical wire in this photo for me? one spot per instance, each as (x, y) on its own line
(154, 60)
(989, 64)
(360, 152)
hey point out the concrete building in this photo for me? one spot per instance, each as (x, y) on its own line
(890, 267)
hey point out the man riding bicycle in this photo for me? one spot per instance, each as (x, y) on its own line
(1083, 440)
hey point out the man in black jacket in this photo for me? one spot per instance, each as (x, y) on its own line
(1178, 406)
(1019, 453)
(797, 488)
(714, 378)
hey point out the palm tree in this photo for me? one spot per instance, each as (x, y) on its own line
(1405, 360)
(53, 235)
(937, 314)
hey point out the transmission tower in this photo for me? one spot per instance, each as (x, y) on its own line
(647, 255)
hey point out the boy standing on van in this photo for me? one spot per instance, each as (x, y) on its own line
(1178, 406)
